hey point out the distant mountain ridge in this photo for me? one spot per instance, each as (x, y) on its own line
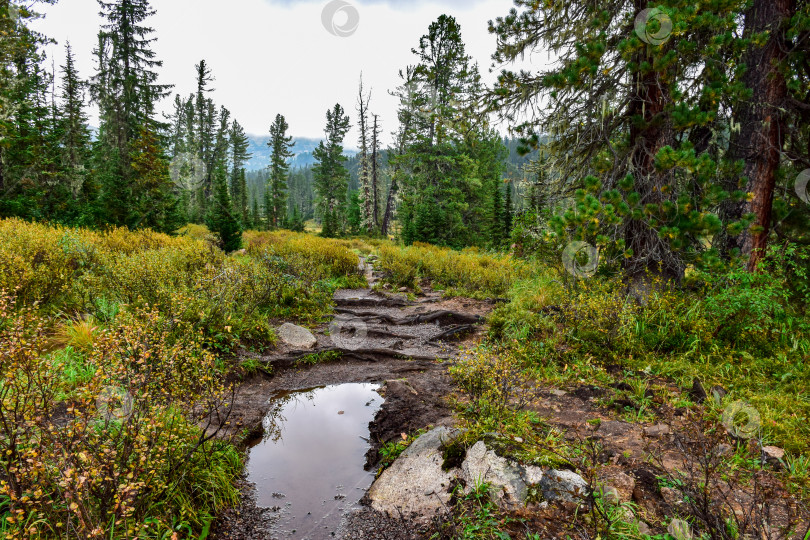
(303, 152)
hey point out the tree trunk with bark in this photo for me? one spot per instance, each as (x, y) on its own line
(762, 123)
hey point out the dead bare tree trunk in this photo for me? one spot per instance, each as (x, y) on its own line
(375, 184)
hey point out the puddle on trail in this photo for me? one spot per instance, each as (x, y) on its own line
(309, 465)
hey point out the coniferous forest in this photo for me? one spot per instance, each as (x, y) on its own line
(572, 293)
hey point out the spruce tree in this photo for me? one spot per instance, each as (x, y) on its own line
(497, 219)
(449, 157)
(74, 131)
(221, 218)
(509, 212)
(330, 174)
(156, 205)
(630, 119)
(281, 151)
(126, 90)
(239, 156)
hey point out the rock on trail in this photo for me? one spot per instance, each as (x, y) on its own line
(296, 336)
(415, 486)
(418, 488)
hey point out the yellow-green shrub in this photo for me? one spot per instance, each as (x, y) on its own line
(467, 272)
(304, 255)
(74, 271)
(120, 453)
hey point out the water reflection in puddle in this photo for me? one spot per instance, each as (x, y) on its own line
(309, 466)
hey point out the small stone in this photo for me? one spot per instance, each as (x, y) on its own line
(611, 495)
(564, 486)
(773, 455)
(559, 393)
(624, 484)
(718, 393)
(680, 530)
(341, 412)
(644, 529)
(518, 439)
(724, 449)
(672, 497)
(296, 336)
(403, 289)
(399, 387)
(658, 430)
(697, 393)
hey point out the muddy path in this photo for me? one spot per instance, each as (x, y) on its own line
(405, 343)
(397, 340)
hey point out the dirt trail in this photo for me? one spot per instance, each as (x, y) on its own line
(407, 344)
(385, 338)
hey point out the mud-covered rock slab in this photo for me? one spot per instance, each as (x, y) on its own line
(415, 486)
(296, 336)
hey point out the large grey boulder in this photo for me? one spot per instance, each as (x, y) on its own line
(415, 486)
(296, 336)
(509, 482)
(563, 486)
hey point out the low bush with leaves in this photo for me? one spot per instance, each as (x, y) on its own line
(745, 332)
(469, 272)
(306, 256)
(114, 347)
(119, 451)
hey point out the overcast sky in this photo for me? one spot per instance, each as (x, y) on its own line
(277, 56)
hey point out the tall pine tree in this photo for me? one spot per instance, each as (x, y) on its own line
(281, 151)
(331, 175)
(126, 90)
